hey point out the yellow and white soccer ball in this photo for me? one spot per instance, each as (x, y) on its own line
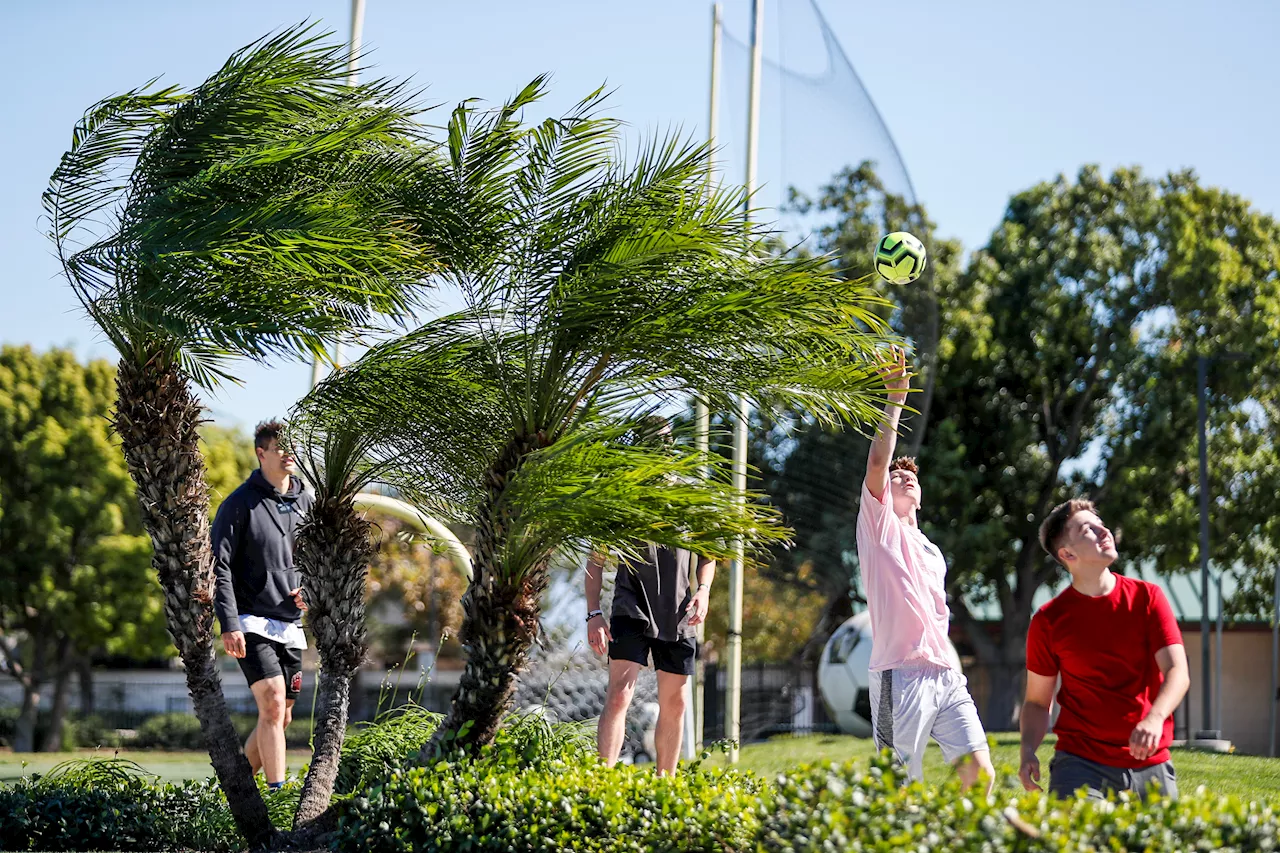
(900, 258)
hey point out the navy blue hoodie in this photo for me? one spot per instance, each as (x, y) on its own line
(253, 535)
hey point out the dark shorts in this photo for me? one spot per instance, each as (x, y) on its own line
(630, 643)
(264, 658)
(1068, 773)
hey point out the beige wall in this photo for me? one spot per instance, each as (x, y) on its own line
(1246, 686)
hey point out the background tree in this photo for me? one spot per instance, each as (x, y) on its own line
(74, 576)
(1219, 288)
(607, 287)
(260, 214)
(1066, 364)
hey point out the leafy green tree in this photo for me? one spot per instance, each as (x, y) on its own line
(74, 577)
(1097, 292)
(607, 286)
(1066, 364)
(1219, 287)
(263, 213)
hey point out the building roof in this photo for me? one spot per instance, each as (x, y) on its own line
(1182, 590)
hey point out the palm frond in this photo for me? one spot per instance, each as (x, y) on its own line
(598, 490)
(432, 408)
(262, 213)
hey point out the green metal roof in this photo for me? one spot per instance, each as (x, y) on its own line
(1183, 591)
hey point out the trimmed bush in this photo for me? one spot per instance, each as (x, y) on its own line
(855, 807)
(560, 805)
(173, 731)
(540, 788)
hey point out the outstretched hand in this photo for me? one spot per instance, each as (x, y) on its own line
(897, 376)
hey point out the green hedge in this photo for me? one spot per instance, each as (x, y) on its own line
(574, 805)
(109, 804)
(539, 788)
(561, 805)
(864, 807)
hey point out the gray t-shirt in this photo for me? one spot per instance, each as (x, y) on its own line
(655, 590)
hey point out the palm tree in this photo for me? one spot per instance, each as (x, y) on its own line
(256, 215)
(608, 286)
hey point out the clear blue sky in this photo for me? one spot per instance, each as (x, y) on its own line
(983, 98)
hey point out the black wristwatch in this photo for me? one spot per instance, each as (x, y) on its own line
(594, 613)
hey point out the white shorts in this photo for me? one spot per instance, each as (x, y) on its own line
(909, 705)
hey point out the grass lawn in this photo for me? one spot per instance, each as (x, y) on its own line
(1243, 775)
(169, 766)
(1246, 776)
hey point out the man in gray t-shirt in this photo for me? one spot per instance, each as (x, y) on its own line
(654, 613)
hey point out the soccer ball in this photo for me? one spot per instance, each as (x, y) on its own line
(900, 258)
(843, 679)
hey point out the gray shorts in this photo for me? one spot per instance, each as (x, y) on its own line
(1068, 773)
(910, 705)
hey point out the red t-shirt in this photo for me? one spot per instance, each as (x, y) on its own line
(1105, 649)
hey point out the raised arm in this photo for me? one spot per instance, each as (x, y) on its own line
(897, 381)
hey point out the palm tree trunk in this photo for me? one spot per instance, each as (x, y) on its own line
(333, 552)
(156, 419)
(500, 618)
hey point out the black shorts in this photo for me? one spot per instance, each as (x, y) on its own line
(630, 643)
(265, 658)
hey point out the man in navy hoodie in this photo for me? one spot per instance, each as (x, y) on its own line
(259, 595)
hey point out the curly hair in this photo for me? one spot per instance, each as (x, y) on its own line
(1054, 526)
(905, 463)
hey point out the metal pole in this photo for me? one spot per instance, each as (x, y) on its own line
(353, 77)
(353, 46)
(1217, 653)
(713, 111)
(1202, 416)
(698, 684)
(733, 715)
(1275, 660)
(701, 412)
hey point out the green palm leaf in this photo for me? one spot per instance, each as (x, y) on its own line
(261, 214)
(605, 284)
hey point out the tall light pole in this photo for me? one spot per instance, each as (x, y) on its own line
(353, 77)
(733, 701)
(1207, 732)
(701, 412)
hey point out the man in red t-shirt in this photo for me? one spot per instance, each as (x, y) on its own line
(1116, 645)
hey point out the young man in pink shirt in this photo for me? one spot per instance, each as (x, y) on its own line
(915, 692)
(1115, 644)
